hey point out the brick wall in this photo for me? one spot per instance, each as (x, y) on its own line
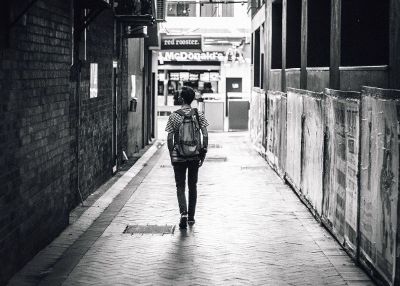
(38, 117)
(96, 113)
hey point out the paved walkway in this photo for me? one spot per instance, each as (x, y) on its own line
(250, 229)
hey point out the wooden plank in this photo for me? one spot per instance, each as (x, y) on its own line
(334, 74)
(380, 179)
(294, 133)
(394, 45)
(313, 150)
(304, 44)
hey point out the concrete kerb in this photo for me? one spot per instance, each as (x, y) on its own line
(41, 264)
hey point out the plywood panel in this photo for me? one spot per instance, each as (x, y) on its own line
(342, 119)
(379, 178)
(276, 131)
(293, 141)
(313, 149)
(257, 119)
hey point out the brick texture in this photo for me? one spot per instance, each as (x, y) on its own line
(38, 117)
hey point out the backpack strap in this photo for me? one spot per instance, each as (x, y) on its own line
(196, 113)
(180, 112)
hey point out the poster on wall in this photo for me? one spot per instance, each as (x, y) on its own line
(133, 86)
(93, 90)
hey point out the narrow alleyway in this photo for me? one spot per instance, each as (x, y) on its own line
(250, 229)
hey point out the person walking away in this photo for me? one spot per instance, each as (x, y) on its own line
(187, 152)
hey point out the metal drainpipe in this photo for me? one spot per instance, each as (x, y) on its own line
(77, 77)
(121, 55)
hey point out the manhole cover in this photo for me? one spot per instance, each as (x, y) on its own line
(150, 229)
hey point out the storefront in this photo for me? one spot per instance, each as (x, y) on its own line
(217, 76)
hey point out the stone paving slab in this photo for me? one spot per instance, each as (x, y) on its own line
(251, 229)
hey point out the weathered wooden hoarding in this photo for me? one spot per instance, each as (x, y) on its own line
(293, 138)
(312, 149)
(276, 131)
(379, 179)
(305, 145)
(257, 119)
(342, 137)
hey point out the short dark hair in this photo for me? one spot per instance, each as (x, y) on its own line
(187, 94)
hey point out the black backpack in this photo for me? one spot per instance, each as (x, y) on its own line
(188, 138)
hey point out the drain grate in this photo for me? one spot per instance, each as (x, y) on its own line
(150, 229)
(253, 167)
(214, 146)
(216, 158)
(165, 166)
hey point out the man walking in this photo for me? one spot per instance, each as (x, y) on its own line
(187, 152)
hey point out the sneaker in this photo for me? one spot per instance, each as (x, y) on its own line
(183, 221)
(191, 221)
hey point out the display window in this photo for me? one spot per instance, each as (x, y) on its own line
(204, 83)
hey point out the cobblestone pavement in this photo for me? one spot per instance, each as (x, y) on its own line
(250, 229)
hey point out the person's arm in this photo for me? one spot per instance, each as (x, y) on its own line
(203, 150)
(170, 142)
(205, 137)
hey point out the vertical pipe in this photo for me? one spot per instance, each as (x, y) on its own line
(335, 51)
(304, 44)
(77, 16)
(120, 74)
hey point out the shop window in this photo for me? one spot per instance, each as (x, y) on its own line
(228, 10)
(365, 33)
(319, 21)
(217, 10)
(293, 44)
(276, 59)
(209, 10)
(181, 9)
(256, 61)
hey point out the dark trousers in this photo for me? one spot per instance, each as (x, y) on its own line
(180, 179)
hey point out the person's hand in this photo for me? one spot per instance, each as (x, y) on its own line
(201, 162)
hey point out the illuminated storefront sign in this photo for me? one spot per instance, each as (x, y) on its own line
(190, 56)
(169, 42)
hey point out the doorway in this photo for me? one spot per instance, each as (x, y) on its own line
(237, 108)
